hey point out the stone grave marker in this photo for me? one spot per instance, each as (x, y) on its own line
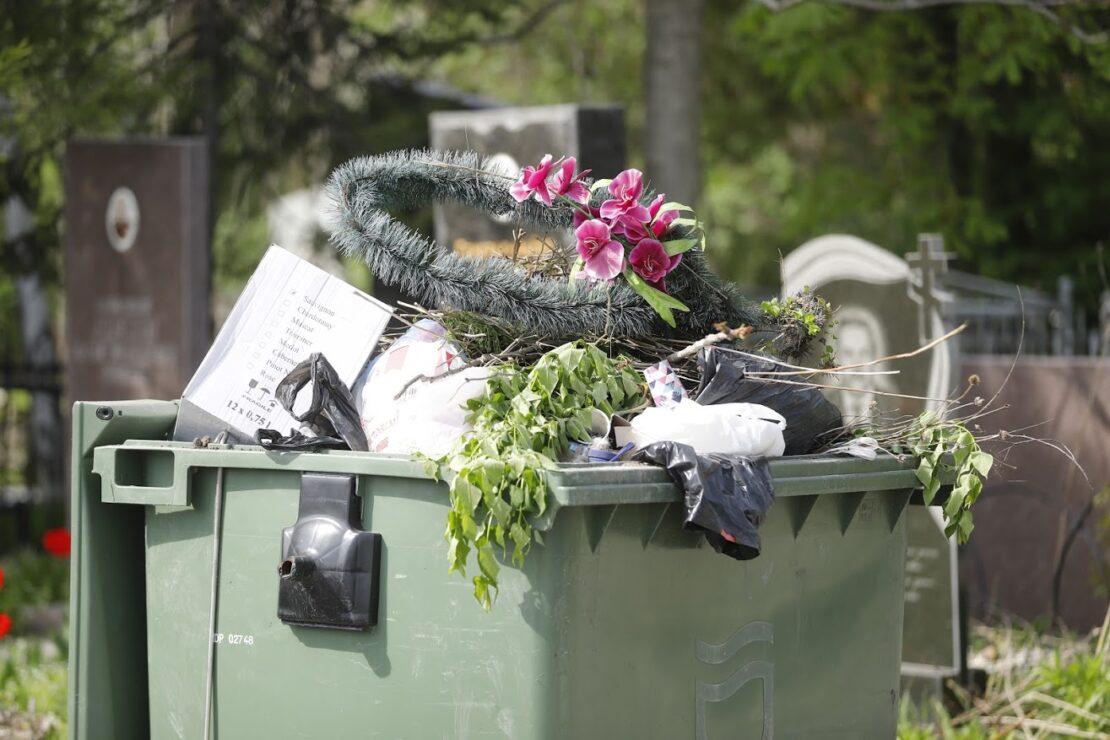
(513, 138)
(136, 267)
(886, 305)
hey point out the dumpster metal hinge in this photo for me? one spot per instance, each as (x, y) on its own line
(330, 568)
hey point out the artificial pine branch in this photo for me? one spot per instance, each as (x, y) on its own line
(366, 189)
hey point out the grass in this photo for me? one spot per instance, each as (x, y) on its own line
(32, 579)
(1040, 686)
(33, 656)
(33, 688)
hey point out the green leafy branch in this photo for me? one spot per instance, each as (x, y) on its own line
(949, 453)
(522, 425)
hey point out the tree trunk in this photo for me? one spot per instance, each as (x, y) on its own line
(672, 74)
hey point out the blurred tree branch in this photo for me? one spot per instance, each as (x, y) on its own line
(1043, 8)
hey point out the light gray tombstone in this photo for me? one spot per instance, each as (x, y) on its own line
(886, 305)
(513, 138)
(136, 267)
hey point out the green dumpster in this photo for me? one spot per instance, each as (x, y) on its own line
(621, 625)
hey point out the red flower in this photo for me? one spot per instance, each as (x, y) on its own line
(1, 578)
(57, 542)
(5, 625)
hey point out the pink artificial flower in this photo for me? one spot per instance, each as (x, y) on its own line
(625, 189)
(533, 180)
(662, 284)
(661, 223)
(650, 261)
(569, 184)
(603, 256)
(656, 225)
(584, 214)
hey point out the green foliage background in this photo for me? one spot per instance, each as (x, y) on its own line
(990, 124)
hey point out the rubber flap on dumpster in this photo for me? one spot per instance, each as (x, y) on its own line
(727, 496)
(329, 572)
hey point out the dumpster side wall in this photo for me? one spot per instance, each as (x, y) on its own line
(107, 658)
(621, 624)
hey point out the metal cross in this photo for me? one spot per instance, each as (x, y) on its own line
(929, 260)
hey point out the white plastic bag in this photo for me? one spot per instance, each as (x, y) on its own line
(431, 416)
(746, 429)
(411, 396)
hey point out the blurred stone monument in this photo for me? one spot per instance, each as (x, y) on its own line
(513, 138)
(136, 267)
(886, 305)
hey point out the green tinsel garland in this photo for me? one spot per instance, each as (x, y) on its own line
(364, 190)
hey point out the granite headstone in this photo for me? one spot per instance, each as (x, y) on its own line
(136, 267)
(886, 305)
(513, 138)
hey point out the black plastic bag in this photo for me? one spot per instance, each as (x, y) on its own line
(811, 419)
(727, 497)
(272, 439)
(331, 415)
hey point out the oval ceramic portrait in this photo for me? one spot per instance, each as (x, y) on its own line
(121, 219)
(506, 166)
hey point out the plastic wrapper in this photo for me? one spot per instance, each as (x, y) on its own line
(412, 396)
(664, 385)
(726, 497)
(811, 419)
(726, 429)
(865, 448)
(331, 413)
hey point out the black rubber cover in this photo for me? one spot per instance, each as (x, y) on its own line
(329, 571)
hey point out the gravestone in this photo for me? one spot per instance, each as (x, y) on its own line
(886, 305)
(136, 267)
(513, 138)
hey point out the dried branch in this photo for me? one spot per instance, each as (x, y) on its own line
(855, 390)
(725, 335)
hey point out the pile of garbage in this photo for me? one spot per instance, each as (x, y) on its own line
(518, 367)
(363, 386)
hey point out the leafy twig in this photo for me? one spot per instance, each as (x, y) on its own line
(522, 425)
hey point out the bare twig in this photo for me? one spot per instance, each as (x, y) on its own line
(855, 390)
(725, 335)
(848, 369)
(889, 358)
(433, 378)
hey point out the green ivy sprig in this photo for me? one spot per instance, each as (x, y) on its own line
(949, 453)
(521, 426)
